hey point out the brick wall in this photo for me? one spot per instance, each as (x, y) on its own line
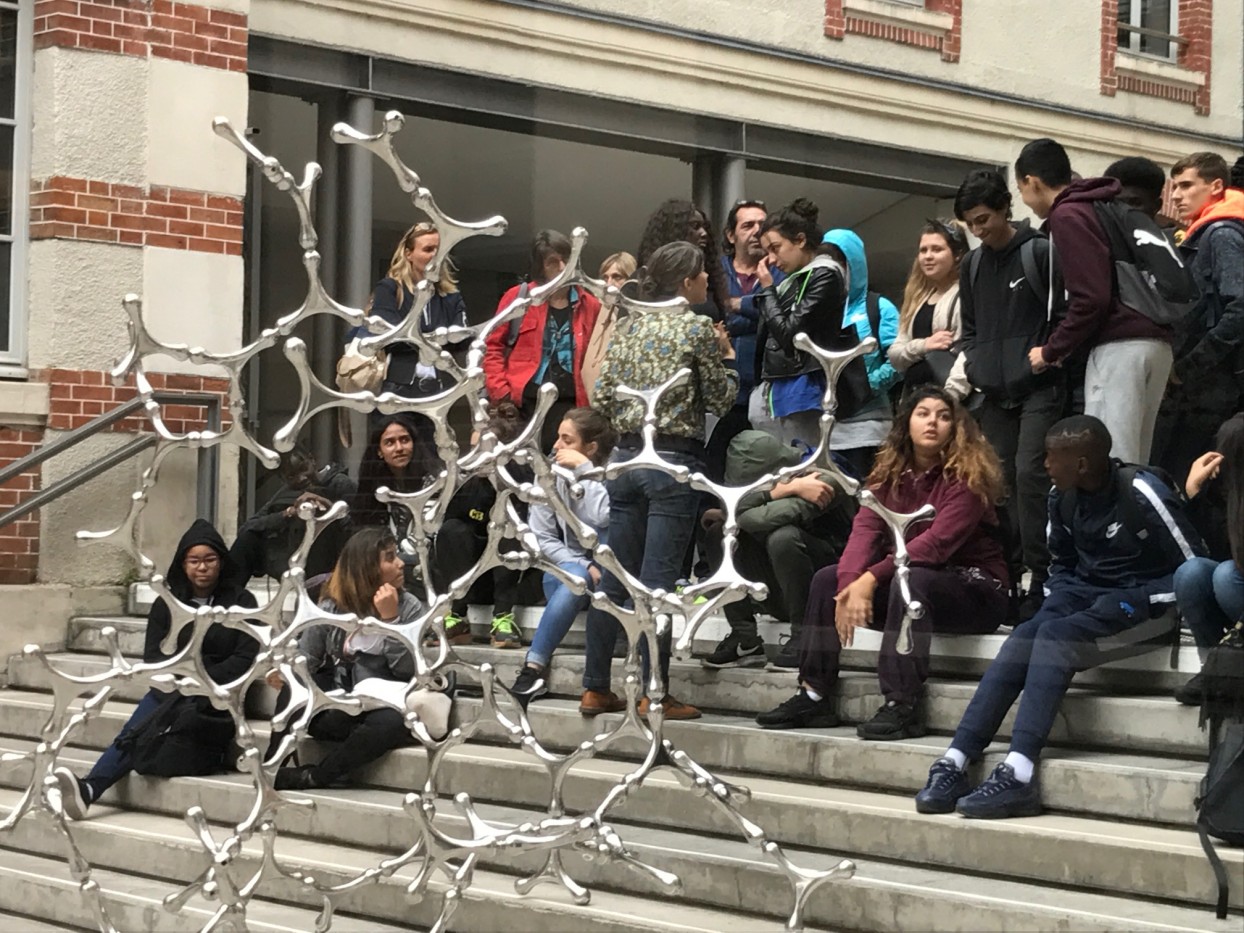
(174, 218)
(183, 32)
(1196, 24)
(839, 23)
(19, 541)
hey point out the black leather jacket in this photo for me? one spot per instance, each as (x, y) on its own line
(809, 301)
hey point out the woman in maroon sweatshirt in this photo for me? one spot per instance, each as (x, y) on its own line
(935, 455)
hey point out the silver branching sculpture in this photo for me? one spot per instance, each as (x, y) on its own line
(438, 844)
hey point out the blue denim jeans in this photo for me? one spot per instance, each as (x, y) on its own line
(560, 610)
(652, 519)
(1210, 597)
(114, 764)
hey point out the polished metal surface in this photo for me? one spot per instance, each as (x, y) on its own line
(434, 851)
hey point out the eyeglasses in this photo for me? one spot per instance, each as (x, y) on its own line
(202, 561)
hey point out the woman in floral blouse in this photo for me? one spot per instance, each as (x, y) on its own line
(651, 515)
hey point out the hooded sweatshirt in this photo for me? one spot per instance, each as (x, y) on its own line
(560, 544)
(1217, 338)
(227, 653)
(869, 426)
(1094, 313)
(1003, 318)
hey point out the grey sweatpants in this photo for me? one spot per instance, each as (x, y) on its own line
(1123, 386)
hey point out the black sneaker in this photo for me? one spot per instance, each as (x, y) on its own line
(75, 796)
(787, 658)
(1193, 692)
(893, 721)
(946, 785)
(733, 651)
(1002, 796)
(300, 778)
(800, 712)
(529, 685)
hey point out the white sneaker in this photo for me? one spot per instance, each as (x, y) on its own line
(73, 799)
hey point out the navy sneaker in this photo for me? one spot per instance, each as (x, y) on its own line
(1002, 796)
(945, 786)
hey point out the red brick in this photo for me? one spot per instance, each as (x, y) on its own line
(229, 18)
(69, 21)
(185, 228)
(207, 60)
(130, 237)
(56, 38)
(49, 7)
(66, 182)
(191, 198)
(172, 211)
(53, 197)
(207, 246)
(176, 55)
(101, 393)
(69, 215)
(99, 233)
(220, 232)
(98, 43)
(185, 383)
(222, 202)
(166, 241)
(64, 406)
(95, 202)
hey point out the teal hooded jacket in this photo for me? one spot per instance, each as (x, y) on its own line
(881, 374)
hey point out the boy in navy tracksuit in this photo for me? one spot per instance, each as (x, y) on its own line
(1110, 590)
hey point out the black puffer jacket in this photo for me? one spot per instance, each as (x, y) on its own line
(227, 653)
(809, 301)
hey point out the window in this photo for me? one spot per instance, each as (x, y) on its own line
(1149, 27)
(16, 52)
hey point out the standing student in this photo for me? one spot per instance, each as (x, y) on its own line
(856, 438)
(1141, 183)
(201, 573)
(679, 221)
(1116, 539)
(1207, 377)
(547, 345)
(935, 455)
(616, 270)
(810, 300)
(652, 515)
(585, 440)
(1128, 355)
(926, 349)
(1007, 305)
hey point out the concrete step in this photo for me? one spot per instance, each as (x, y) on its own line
(41, 886)
(21, 924)
(128, 843)
(1149, 788)
(724, 872)
(1056, 849)
(1089, 717)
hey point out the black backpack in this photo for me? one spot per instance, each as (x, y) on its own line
(1220, 800)
(1150, 276)
(1028, 259)
(182, 736)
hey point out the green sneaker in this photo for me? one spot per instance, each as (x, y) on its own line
(505, 632)
(680, 588)
(457, 630)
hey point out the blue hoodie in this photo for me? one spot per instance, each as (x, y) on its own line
(881, 375)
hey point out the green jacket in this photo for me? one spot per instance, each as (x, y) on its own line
(752, 454)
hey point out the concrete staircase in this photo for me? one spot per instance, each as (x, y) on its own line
(1116, 851)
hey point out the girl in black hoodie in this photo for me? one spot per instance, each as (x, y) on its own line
(203, 574)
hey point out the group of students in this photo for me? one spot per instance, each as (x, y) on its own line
(1008, 368)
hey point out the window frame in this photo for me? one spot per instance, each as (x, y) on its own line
(13, 359)
(1135, 18)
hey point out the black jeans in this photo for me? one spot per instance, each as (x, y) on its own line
(1017, 434)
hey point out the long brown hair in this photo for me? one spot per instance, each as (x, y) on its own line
(399, 265)
(919, 289)
(356, 577)
(968, 457)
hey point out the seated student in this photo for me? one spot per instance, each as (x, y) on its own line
(1108, 593)
(585, 438)
(935, 455)
(1210, 590)
(367, 581)
(399, 456)
(785, 536)
(200, 574)
(463, 537)
(267, 539)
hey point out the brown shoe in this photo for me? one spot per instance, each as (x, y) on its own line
(674, 708)
(595, 702)
(458, 630)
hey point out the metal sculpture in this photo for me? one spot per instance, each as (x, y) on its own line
(434, 847)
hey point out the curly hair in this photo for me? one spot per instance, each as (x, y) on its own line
(670, 223)
(968, 456)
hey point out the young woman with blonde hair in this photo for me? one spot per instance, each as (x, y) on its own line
(616, 270)
(926, 349)
(935, 455)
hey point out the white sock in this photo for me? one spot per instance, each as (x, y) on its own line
(1022, 765)
(960, 759)
(813, 695)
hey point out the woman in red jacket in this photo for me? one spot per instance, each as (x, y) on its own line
(935, 455)
(547, 344)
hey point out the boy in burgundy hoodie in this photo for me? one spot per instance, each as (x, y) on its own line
(1128, 356)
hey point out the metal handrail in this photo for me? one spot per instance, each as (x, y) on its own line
(209, 457)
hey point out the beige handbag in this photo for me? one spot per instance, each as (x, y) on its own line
(358, 372)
